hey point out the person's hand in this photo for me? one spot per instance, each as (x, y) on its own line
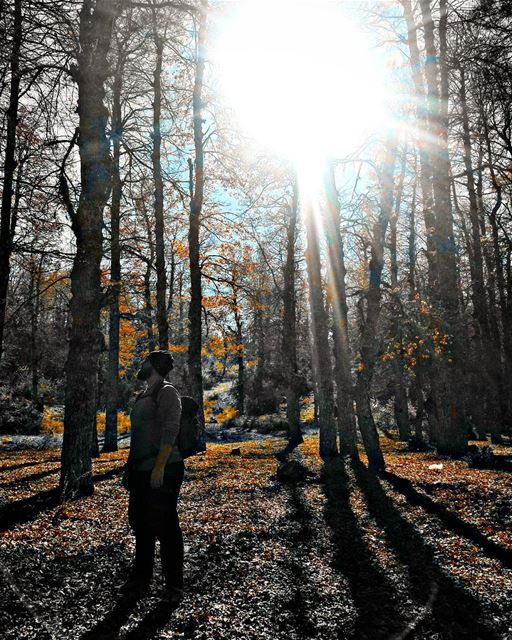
(157, 478)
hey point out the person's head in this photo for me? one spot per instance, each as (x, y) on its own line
(156, 364)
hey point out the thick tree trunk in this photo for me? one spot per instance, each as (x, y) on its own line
(195, 374)
(289, 338)
(497, 281)
(448, 398)
(322, 368)
(369, 347)
(338, 300)
(96, 22)
(110, 441)
(6, 227)
(485, 344)
(400, 399)
(161, 277)
(425, 163)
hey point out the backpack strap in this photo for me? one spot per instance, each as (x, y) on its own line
(154, 394)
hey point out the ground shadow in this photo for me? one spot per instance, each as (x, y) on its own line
(151, 623)
(30, 478)
(27, 464)
(108, 628)
(26, 509)
(64, 590)
(49, 472)
(455, 613)
(372, 593)
(449, 519)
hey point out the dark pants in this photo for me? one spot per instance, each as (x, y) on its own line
(152, 514)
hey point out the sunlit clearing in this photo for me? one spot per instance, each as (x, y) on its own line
(300, 76)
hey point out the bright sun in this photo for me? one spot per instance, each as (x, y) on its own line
(300, 76)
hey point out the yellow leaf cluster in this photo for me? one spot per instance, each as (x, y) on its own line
(177, 348)
(307, 415)
(228, 413)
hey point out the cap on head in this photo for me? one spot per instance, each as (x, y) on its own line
(161, 361)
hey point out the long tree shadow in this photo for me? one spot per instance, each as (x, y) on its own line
(26, 509)
(455, 613)
(371, 591)
(50, 472)
(30, 478)
(21, 465)
(450, 519)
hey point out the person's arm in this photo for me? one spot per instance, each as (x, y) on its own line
(168, 415)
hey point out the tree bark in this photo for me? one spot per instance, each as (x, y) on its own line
(425, 163)
(322, 368)
(96, 22)
(161, 277)
(110, 441)
(289, 338)
(369, 347)
(488, 402)
(400, 400)
(6, 227)
(195, 374)
(448, 398)
(240, 361)
(338, 300)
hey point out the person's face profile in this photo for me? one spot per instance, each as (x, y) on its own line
(144, 373)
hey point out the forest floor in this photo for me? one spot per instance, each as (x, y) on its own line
(423, 551)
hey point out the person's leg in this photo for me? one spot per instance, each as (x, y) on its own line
(138, 516)
(172, 552)
(169, 530)
(144, 554)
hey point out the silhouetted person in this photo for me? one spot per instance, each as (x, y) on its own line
(156, 468)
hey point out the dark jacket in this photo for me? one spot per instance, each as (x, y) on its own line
(154, 425)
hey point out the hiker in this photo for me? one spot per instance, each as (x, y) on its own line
(155, 470)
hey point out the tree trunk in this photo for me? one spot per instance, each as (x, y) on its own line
(448, 398)
(161, 277)
(289, 338)
(322, 368)
(96, 22)
(35, 304)
(6, 230)
(485, 344)
(369, 347)
(110, 441)
(195, 374)
(338, 300)
(400, 400)
(240, 381)
(260, 345)
(425, 163)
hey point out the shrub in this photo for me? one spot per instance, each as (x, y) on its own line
(18, 415)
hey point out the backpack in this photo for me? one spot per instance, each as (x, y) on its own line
(191, 436)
